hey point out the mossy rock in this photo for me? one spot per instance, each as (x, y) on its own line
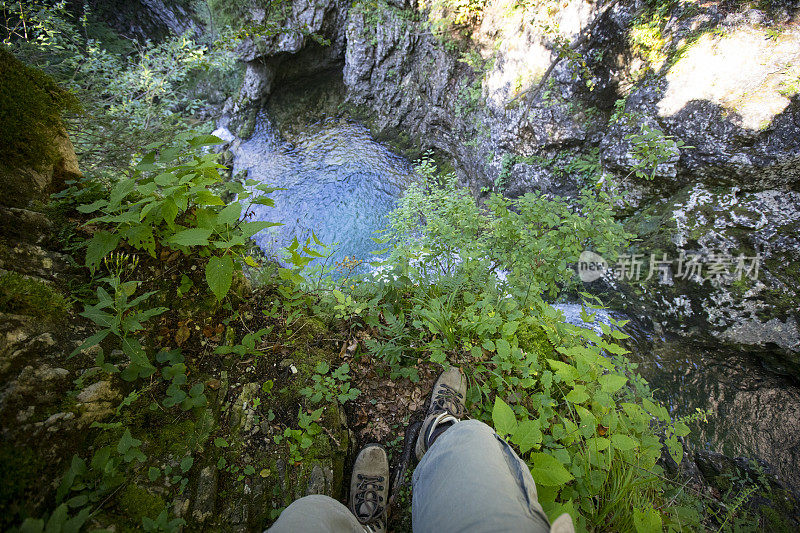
(34, 150)
(26, 296)
(248, 126)
(720, 225)
(30, 113)
(137, 502)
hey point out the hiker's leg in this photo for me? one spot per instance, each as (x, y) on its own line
(471, 480)
(316, 513)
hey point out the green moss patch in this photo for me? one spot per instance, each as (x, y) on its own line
(31, 109)
(137, 503)
(24, 296)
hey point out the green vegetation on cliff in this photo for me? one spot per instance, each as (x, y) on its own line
(131, 94)
(202, 401)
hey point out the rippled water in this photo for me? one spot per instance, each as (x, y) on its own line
(340, 184)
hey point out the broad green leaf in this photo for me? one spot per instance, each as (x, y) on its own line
(528, 435)
(101, 318)
(191, 237)
(219, 275)
(230, 215)
(674, 448)
(57, 520)
(647, 521)
(547, 470)
(92, 207)
(150, 206)
(236, 240)
(503, 348)
(635, 412)
(577, 395)
(265, 188)
(95, 339)
(554, 510)
(251, 228)
(614, 348)
(264, 200)
(681, 429)
(617, 334)
(509, 328)
(169, 210)
(598, 444)
(121, 190)
(505, 422)
(611, 383)
(141, 236)
(102, 244)
(133, 349)
(624, 442)
(206, 197)
(186, 463)
(658, 410)
(32, 525)
(165, 179)
(567, 372)
(147, 189)
(205, 140)
(126, 442)
(206, 218)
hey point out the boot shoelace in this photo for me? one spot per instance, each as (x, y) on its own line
(369, 504)
(450, 400)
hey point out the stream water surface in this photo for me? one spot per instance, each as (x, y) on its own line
(339, 183)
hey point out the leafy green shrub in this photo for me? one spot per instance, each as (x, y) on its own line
(122, 317)
(564, 396)
(328, 387)
(170, 201)
(131, 100)
(651, 148)
(175, 374)
(587, 426)
(247, 346)
(301, 439)
(232, 13)
(446, 15)
(438, 230)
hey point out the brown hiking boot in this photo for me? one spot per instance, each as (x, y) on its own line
(369, 488)
(446, 408)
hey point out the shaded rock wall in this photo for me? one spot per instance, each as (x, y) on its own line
(25, 185)
(148, 19)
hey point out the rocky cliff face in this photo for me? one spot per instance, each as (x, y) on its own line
(546, 97)
(148, 19)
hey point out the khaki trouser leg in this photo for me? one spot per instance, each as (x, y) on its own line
(471, 480)
(316, 514)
